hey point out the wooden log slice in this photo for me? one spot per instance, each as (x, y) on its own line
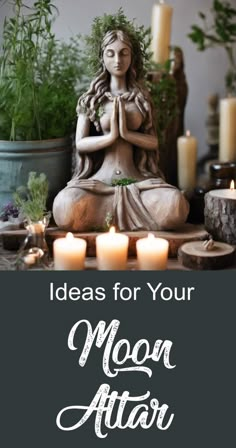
(188, 232)
(193, 255)
(220, 215)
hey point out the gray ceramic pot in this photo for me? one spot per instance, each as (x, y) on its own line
(18, 158)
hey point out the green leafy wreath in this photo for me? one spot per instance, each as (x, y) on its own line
(138, 35)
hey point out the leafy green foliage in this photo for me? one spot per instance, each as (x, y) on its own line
(40, 77)
(31, 200)
(164, 96)
(220, 32)
(139, 37)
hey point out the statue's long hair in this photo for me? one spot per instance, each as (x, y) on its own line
(98, 92)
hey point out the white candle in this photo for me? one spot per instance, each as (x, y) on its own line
(227, 152)
(187, 161)
(225, 194)
(69, 253)
(161, 31)
(112, 250)
(152, 253)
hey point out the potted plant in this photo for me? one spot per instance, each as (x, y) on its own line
(40, 81)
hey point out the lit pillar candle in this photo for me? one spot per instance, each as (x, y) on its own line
(227, 151)
(69, 253)
(112, 250)
(161, 31)
(152, 253)
(187, 161)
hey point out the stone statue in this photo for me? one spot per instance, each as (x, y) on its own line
(117, 159)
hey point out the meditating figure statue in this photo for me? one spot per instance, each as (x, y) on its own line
(117, 152)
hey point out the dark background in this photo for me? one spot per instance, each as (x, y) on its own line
(40, 375)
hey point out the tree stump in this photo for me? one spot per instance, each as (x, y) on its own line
(220, 215)
(193, 255)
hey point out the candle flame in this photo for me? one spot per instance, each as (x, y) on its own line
(232, 186)
(188, 133)
(112, 230)
(69, 237)
(151, 237)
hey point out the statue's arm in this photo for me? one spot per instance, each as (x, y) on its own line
(145, 141)
(86, 143)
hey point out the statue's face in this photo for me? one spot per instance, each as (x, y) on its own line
(117, 58)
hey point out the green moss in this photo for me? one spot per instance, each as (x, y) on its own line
(123, 182)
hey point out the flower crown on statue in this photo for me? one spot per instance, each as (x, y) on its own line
(139, 38)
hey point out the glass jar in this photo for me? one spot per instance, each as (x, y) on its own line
(34, 253)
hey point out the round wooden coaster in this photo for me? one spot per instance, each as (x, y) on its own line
(193, 255)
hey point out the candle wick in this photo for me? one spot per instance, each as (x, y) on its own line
(69, 237)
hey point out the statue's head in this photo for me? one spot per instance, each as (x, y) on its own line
(117, 53)
(108, 29)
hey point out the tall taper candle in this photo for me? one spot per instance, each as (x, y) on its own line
(227, 151)
(161, 31)
(187, 161)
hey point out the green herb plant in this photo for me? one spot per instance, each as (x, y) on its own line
(164, 97)
(220, 30)
(32, 199)
(40, 77)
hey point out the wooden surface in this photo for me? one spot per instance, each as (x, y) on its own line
(188, 232)
(8, 257)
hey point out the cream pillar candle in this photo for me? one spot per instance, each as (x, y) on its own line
(161, 31)
(112, 251)
(152, 253)
(187, 161)
(227, 152)
(69, 253)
